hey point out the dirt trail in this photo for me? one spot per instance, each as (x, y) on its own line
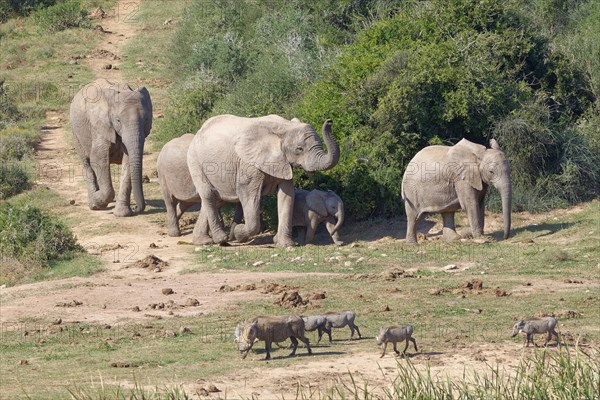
(101, 229)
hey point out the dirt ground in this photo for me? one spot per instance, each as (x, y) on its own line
(111, 296)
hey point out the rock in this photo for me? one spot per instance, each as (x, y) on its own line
(73, 62)
(136, 334)
(3, 286)
(123, 365)
(354, 244)
(153, 246)
(23, 362)
(57, 321)
(258, 263)
(107, 66)
(136, 309)
(500, 292)
(386, 308)
(318, 296)
(157, 269)
(97, 13)
(145, 179)
(213, 389)
(168, 21)
(191, 302)
(450, 267)
(347, 263)
(477, 284)
(72, 202)
(184, 329)
(167, 291)
(202, 392)
(170, 334)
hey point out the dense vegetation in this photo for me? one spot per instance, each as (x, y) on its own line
(396, 77)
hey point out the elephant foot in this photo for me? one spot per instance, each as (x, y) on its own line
(450, 234)
(220, 237)
(202, 241)
(339, 243)
(285, 243)
(232, 232)
(174, 232)
(122, 211)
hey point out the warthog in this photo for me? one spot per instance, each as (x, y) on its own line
(395, 334)
(532, 326)
(271, 329)
(340, 320)
(318, 322)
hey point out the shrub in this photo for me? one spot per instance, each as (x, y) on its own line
(9, 8)
(61, 16)
(13, 179)
(33, 237)
(9, 112)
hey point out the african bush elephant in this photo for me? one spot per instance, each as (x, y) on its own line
(444, 179)
(236, 159)
(312, 208)
(176, 185)
(110, 122)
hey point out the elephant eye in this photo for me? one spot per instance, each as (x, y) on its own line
(299, 149)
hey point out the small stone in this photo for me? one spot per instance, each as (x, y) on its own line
(72, 202)
(145, 179)
(23, 362)
(136, 334)
(73, 62)
(353, 245)
(167, 291)
(258, 263)
(57, 321)
(450, 267)
(153, 246)
(184, 329)
(107, 66)
(202, 392)
(191, 302)
(386, 308)
(347, 263)
(170, 334)
(157, 270)
(213, 389)
(136, 309)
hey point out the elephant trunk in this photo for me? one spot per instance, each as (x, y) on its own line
(505, 189)
(322, 161)
(339, 215)
(134, 143)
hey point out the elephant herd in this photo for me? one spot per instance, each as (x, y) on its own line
(238, 160)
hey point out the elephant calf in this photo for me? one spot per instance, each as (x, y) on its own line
(312, 208)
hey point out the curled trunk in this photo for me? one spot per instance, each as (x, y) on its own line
(322, 161)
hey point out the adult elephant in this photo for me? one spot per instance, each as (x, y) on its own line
(236, 159)
(110, 122)
(445, 179)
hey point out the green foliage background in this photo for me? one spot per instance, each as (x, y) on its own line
(398, 76)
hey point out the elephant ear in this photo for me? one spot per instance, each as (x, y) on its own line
(100, 118)
(262, 148)
(463, 163)
(147, 102)
(315, 202)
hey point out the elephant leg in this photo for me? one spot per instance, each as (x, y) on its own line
(251, 211)
(449, 230)
(301, 234)
(99, 162)
(201, 235)
(480, 216)
(412, 218)
(90, 181)
(336, 235)
(311, 229)
(238, 218)
(122, 207)
(172, 206)
(285, 209)
(474, 215)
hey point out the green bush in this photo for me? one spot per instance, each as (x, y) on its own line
(10, 8)
(61, 16)
(33, 237)
(13, 179)
(9, 112)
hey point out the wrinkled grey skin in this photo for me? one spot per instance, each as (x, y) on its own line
(176, 184)
(314, 207)
(394, 334)
(271, 329)
(443, 179)
(532, 326)
(340, 320)
(110, 122)
(318, 322)
(234, 159)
